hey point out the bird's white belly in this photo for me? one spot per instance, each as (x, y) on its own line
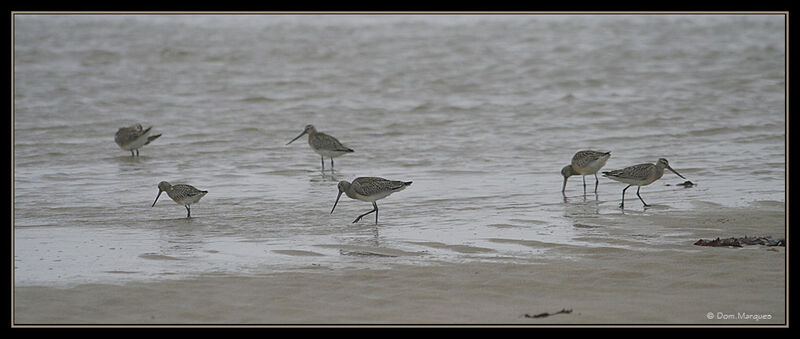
(328, 153)
(593, 166)
(137, 143)
(371, 197)
(376, 196)
(190, 200)
(639, 181)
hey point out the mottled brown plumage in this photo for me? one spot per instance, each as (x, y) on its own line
(323, 144)
(134, 137)
(583, 163)
(182, 194)
(369, 189)
(639, 175)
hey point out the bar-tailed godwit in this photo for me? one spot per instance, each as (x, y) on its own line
(583, 163)
(640, 175)
(182, 194)
(133, 137)
(369, 189)
(325, 145)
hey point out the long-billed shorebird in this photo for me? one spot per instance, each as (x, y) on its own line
(325, 145)
(133, 137)
(584, 163)
(182, 194)
(640, 175)
(369, 189)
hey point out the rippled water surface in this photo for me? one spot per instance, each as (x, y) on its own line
(479, 111)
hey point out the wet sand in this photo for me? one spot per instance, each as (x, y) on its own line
(671, 284)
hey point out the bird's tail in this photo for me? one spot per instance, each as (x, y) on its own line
(151, 138)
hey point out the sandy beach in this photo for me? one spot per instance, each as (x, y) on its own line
(675, 284)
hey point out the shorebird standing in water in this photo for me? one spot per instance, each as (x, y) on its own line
(369, 189)
(640, 175)
(583, 163)
(182, 194)
(325, 145)
(133, 137)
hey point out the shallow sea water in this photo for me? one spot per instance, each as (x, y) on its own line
(479, 111)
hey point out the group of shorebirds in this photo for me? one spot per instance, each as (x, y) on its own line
(589, 162)
(132, 138)
(369, 189)
(372, 189)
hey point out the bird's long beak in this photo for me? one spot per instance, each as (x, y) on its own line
(297, 137)
(564, 187)
(673, 171)
(159, 194)
(337, 201)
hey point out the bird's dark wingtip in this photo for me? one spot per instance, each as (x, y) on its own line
(151, 138)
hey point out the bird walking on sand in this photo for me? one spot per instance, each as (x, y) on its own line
(640, 175)
(583, 163)
(369, 189)
(182, 194)
(133, 137)
(325, 145)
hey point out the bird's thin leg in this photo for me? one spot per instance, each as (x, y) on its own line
(188, 211)
(137, 152)
(331, 164)
(376, 212)
(622, 204)
(584, 183)
(132, 153)
(322, 160)
(596, 181)
(640, 197)
(375, 209)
